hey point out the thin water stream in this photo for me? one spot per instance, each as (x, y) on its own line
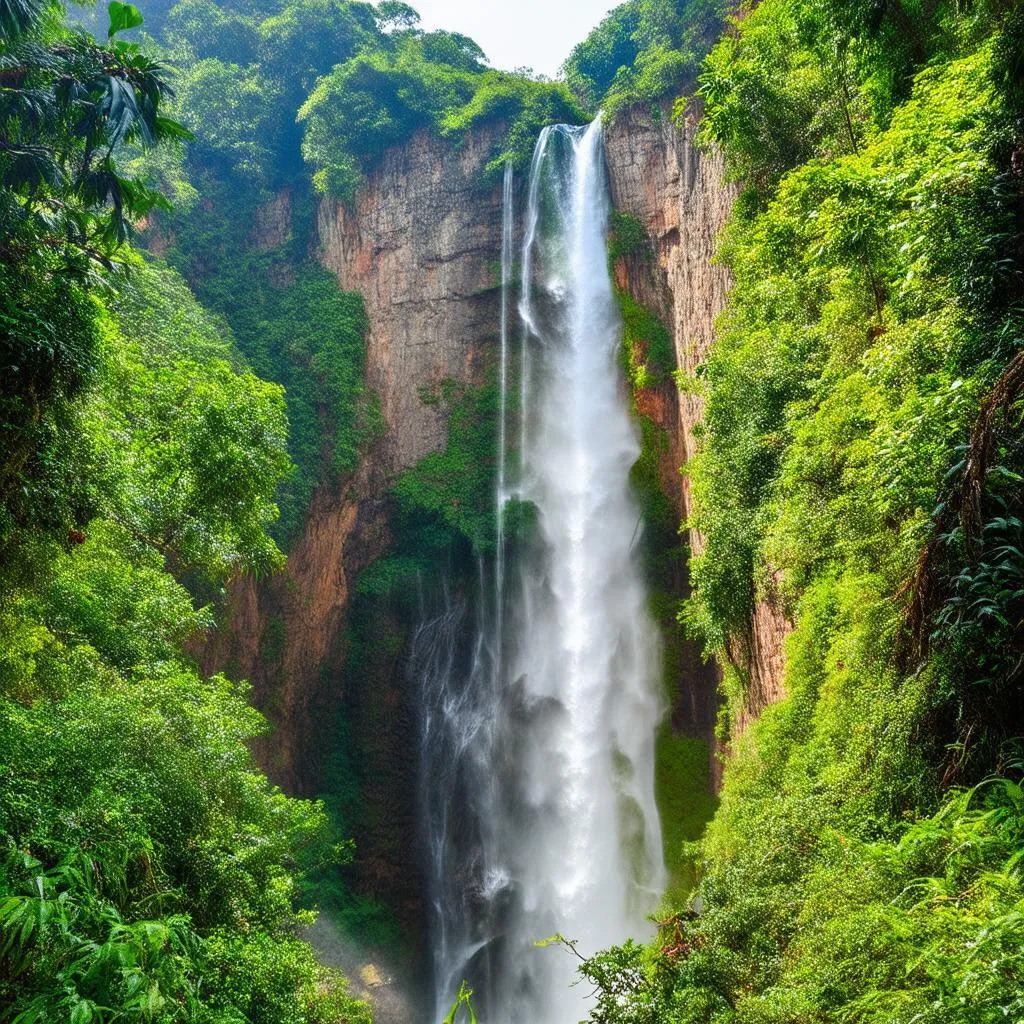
(541, 702)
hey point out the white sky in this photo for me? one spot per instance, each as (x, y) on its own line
(518, 33)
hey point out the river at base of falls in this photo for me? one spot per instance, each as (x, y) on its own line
(540, 702)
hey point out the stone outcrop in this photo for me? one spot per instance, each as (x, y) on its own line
(680, 195)
(763, 663)
(272, 225)
(421, 243)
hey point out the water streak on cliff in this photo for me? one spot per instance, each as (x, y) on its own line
(507, 229)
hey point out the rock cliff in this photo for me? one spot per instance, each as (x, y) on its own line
(421, 242)
(680, 195)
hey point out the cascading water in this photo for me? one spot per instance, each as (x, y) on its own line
(540, 710)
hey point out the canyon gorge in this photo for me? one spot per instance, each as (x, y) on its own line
(421, 242)
(482, 546)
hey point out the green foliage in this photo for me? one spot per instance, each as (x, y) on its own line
(524, 104)
(245, 75)
(231, 109)
(48, 345)
(796, 80)
(309, 336)
(68, 103)
(593, 65)
(627, 237)
(208, 30)
(682, 788)
(462, 1001)
(305, 41)
(356, 78)
(643, 52)
(779, 90)
(245, 72)
(149, 869)
(447, 498)
(148, 866)
(431, 81)
(191, 449)
(123, 17)
(296, 328)
(656, 510)
(849, 361)
(385, 574)
(646, 343)
(923, 928)
(369, 103)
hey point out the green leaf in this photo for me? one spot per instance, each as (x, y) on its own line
(82, 1013)
(122, 17)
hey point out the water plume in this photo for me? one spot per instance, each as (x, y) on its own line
(540, 706)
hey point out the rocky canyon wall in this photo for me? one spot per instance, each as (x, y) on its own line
(421, 242)
(679, 194)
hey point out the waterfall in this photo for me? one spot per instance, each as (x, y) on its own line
(540, 712)
(501, 495)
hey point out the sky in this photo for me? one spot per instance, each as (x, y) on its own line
(536, 34)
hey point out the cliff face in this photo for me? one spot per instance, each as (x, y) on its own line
(419, 243)
(285, 634)
(680, 195)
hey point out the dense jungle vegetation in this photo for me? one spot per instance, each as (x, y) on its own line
(643, 53)
(148, 871)
(860, 468)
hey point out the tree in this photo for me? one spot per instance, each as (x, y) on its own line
(67, 106)
(394, 16)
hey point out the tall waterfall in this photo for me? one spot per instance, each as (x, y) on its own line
(542, 702)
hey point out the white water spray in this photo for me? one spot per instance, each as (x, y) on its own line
(501, 495)
(539, 751)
